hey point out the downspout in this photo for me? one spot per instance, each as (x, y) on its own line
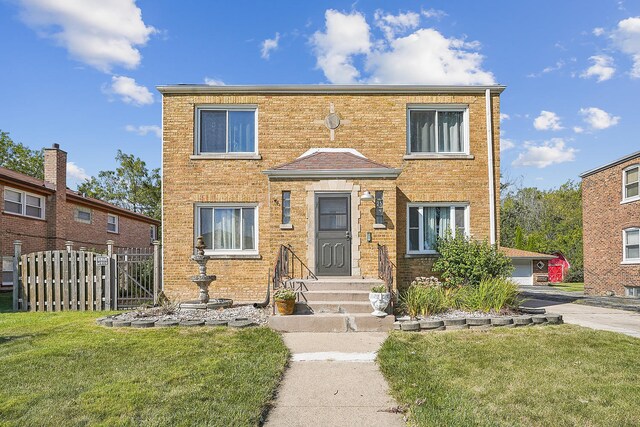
(490, 169)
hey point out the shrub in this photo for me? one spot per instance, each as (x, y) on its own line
(284, 294)
(464, 261)
(574, 275)
(490, 294)
(380, 289)
(414, 300)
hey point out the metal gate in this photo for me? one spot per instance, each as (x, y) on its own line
(137, 279)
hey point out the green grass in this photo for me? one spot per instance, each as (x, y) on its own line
(538, 376)
(6, 302)
(62, 369)
(568, 287)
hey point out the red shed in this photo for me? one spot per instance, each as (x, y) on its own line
(558, 267)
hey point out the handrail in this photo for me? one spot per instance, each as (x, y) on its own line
(385, 267)
(284, 269)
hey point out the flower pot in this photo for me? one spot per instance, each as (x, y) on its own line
(286, 307)
(379, 302)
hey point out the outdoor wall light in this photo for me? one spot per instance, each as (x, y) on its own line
(366, 196)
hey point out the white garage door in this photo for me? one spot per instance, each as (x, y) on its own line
(522, 273)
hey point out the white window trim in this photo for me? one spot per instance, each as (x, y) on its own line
(254, 251)
(451, 205)
(626, 260)
(83, 209)
(117, 223)
(440, 107)
(153, 232)
(23, 203)
(626, 199)
(226, 155)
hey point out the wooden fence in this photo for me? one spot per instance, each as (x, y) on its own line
(70, 280)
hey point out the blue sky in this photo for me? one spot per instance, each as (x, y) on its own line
(83, 72)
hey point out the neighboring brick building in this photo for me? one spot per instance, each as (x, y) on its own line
(611, 222)
(44, 214)
(330, 170)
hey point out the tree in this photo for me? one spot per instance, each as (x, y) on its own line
(131, 186)
(20, 158)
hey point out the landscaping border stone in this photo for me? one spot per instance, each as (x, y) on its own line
(190, 323)
(501, 321)
(241, 323)
(539, 319)
(522, 320)
(166, 323)
(143, 324)
(478, 321)
(431, 324)
(216, 322)
(455, 322)
(411, 325)
(554, 319)
(121, 323)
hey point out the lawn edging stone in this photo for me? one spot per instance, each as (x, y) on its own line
(143, 324)
(475, 322)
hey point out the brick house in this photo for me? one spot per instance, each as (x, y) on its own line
(44, 214)
(332, 171)
(611, 227)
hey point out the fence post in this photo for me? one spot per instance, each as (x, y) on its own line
(83, 248)
(157, 277)
(110, 295)
(69, 245)
(17, 253)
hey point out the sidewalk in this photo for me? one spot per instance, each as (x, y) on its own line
(333, 380)
(601, 318)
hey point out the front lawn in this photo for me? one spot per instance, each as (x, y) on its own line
(62, 369)
(538, 376)
(568, 287)
(6, 302)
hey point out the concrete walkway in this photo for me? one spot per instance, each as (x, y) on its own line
(333, 380)
(605, 319)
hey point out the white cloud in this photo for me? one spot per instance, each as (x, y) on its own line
(99, 33)
(506, 144)
(598, 31)
(392, 24)
(129, 91)
(504, 116)
(76, 173)
(546, 154)
(627, 38)
(345, 35)
(598, 119)
(602, 68)
(422, 57)
(213, 81)
(268, 45)
(578, 129)
(547, 120)
(433, 13)
(143, 130)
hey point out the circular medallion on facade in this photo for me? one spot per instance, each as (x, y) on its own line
(332, 121)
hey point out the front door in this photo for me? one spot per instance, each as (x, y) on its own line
(333, 235)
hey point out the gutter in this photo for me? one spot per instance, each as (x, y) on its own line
(492, 186)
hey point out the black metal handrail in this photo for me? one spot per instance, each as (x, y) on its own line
(385, 267)
(285, 273)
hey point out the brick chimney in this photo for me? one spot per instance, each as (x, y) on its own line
(55, 175)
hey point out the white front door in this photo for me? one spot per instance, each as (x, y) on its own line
(523, 272)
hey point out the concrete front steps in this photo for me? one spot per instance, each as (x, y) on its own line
(334, 305)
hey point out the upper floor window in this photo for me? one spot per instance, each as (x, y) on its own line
(112, 223)
(228, 229)
(428, 222)
(631, 243)
(153, 233)
(438, 130)
(225, 130)
(631, 183)
(23, 203)
(82, 214)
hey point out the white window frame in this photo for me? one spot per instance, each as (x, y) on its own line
(227, 108)
(626, 260)
(153, 232)
(85, 210)
(211, 251)
(452, 206)
(626, 199)
(23, 203)
(117, 223)
(632, 291)
(9, 260)
(444, 108)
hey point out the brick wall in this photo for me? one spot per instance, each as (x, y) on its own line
(286, 129)
(604, 218)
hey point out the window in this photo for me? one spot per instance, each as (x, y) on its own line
(632, 291)
(153, 233)
(231, 130)
(228, 229)
(7, 271)
(112, 223)
(631, 249)
(23, 203)
(631, 183)
(286, 207)
(428, 222)
(82, 215)
(438, 130)
(379, 207)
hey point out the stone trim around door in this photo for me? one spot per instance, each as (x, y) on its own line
(334, 186)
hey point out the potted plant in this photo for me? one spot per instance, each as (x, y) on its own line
(379, 297)
(285, 301)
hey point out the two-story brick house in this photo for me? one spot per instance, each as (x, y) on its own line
(330, 170)
(43, 214)
(611, 227)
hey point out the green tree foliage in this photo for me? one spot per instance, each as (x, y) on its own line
(464, 261)
(544, 221)
(20, 158)
(131, 186)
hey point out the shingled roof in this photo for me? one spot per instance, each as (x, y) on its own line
(332, 164)
(522, 254)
